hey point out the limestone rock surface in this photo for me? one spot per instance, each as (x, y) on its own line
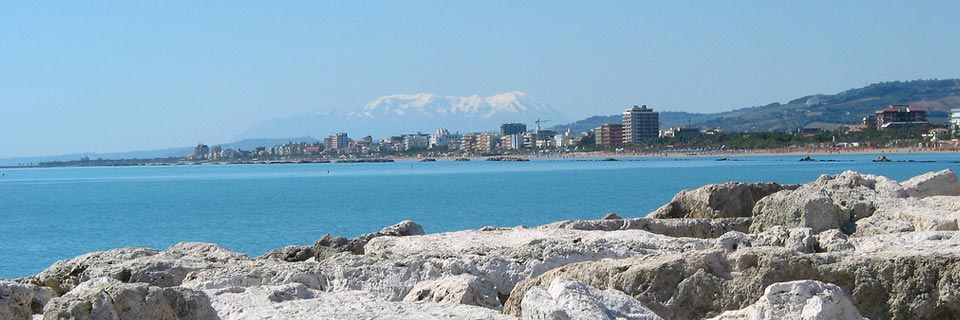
(691, 228)
(804, 299)
(724, 200)
(461, 289)
(107, 298)
(568, 299)
(940, 183)
(21, 301)
(253, 303)
(907, 276)
(160, 268)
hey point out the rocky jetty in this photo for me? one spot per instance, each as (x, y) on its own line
(844, 246)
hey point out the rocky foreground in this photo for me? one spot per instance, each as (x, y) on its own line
(848, 246)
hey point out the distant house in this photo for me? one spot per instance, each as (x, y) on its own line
(898, 116)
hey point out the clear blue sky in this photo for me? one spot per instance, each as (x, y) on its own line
(130, 75)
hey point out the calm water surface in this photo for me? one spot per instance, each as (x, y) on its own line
(58, 213)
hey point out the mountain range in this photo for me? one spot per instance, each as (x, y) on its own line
(408, 113)
(847, 107)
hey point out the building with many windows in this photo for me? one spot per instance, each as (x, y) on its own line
(640, 124)
(609, 134)
(336, 142)
(894, 116)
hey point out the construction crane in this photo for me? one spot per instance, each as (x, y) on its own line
(538, 122)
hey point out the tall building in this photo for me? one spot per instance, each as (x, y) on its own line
(200, 152)
(507, 129)
(337, 142)
(640, 124)
(900, 116)
(609, 134)
(416, 141)
(955, 119)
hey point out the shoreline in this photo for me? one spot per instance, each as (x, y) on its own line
(578, 155)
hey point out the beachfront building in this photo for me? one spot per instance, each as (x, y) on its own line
(955, 120)
(608, 134)
(336, 142)
(639, 124)
(898, 116)
(443, 139)
(680, 132)
(511, 142)
(199, 152)
(416, 141)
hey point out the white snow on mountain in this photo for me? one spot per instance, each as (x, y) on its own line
(405, 113)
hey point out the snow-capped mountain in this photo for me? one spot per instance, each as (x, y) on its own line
(406, 113)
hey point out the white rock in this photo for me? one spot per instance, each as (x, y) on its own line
(106, 298)
(804, 299)
(569, 299)
(461, 289)
(253, 303)
(940, 183)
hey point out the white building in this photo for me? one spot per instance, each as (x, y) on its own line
(443, 139)
(955, 119)
(416, 141)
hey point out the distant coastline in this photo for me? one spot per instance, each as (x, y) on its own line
(600, 155)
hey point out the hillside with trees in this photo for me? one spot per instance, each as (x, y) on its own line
(847, 107)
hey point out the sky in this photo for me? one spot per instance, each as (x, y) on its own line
(108, 76)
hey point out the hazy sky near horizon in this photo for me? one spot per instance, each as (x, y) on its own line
(104, 76)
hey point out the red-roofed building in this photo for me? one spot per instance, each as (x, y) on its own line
(900, 116)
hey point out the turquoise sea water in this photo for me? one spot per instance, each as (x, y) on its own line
(58, 213)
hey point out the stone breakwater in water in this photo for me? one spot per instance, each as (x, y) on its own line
(846, 246)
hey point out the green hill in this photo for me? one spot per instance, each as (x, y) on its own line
(847, 107)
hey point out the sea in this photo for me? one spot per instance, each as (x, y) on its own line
(48, 214)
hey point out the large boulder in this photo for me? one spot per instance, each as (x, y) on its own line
(160, 268)
(461, 289)
(566, 299)
(724, 200)
(106, 298)
(940, 183)
(885, 280)
(803, 299)
(401, 229)
(830, 202)
(20, 301)
(328, 245)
